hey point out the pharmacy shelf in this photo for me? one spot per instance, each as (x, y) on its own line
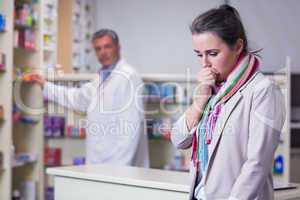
(169, 78)
(295, 125)
(22, 164)
(49, 33)
(283, 80)
(26, 50)
(66, 147)
(26, 135)
(21, 27)
(163, 154)
(6, 47)
(71, 77)
(74, 35)
(146, 77)
(63, 138)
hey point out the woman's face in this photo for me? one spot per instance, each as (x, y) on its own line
(214, 52)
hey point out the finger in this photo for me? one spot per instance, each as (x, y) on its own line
(210, 82)
(205, 76)
(210, 71)
(214, 70)
(208, 77)
(202, 73)
(206, 71)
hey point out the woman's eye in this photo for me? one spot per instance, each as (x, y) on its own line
(199, 55)
(213, 54)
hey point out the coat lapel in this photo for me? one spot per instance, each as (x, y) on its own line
(225, 114)
(118, 69)
(221, 122)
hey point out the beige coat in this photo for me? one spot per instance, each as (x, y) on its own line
(246, 136)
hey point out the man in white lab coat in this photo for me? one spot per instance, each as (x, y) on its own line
(113, 104)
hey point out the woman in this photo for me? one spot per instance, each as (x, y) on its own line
(234, 123)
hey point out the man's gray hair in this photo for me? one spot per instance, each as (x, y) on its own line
(103, 32)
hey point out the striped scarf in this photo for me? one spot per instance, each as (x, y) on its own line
(245, 68)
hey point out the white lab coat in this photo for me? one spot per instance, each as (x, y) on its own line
(115, 116)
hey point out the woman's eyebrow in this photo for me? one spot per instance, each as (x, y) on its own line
(206, 51)
(211, 50)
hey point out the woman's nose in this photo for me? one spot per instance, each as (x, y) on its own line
(205, 62)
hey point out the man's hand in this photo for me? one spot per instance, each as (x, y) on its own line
(37, 78)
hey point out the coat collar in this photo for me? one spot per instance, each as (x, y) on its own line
(117, 67)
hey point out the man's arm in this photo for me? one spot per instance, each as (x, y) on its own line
(73, 98)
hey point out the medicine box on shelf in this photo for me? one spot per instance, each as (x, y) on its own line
(2, 23)
(2, 61)
(1, 161)
(1, 113)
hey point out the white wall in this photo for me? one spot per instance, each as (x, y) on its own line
(155, 36)
(274, 26)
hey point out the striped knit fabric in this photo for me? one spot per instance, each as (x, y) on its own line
(245, 67)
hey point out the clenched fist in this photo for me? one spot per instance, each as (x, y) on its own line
(206, 78)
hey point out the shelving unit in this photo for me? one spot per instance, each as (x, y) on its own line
(63, 143)
(295, 125)
(49, 33)
(6, 49)
(282, 155)
(65, 139)
(74, 36)
(166, 98)
(27, 137)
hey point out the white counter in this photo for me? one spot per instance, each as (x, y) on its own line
(111, 183)
(153, 178)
